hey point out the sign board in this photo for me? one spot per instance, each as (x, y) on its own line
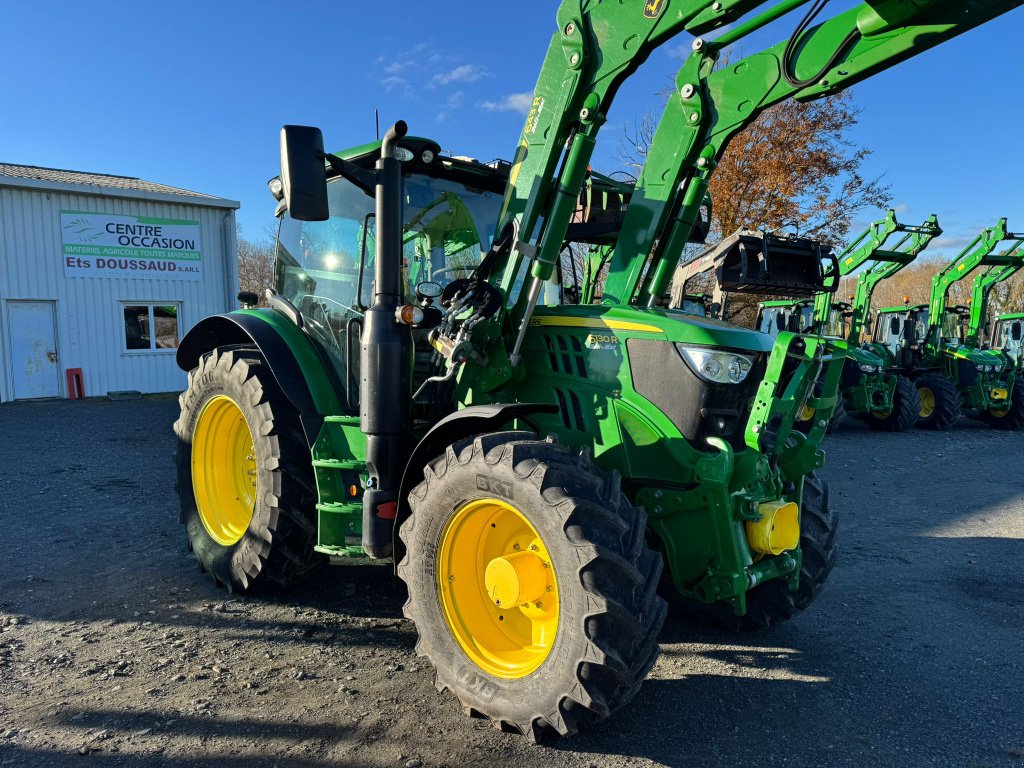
(109, 245)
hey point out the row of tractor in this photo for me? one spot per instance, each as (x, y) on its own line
(923, 365)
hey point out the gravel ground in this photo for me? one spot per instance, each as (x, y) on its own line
(115, 650)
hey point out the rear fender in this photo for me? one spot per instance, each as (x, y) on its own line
(301, 373)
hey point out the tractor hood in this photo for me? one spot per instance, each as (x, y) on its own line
(667, 325)
(986, 357)
(865, 356)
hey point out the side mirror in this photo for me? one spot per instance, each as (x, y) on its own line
(1015, 332)
(248, 299)
(894, 326)
(303, 173)
(780, 321)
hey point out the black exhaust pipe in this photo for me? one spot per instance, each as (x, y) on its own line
(385, 388)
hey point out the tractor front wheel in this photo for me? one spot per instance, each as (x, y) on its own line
(941, 404)
(245, 478)
(530, 584)
(773, 602)
(906, 409)
(1011, 417)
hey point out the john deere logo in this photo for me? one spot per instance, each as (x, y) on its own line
(653, 8)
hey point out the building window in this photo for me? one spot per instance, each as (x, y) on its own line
(150, 327)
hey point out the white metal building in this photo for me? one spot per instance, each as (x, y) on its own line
(104, 274)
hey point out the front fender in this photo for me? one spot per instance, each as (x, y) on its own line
(474, 420)
(304, 377)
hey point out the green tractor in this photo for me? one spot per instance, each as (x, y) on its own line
(870, 389)
(418, 390)
(930, 344)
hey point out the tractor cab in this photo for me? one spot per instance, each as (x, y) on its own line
(901, 331)
(798, 317)
(694, 304)
(1008, 336)
(325, 269)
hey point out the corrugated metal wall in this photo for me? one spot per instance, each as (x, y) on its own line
(89, 310)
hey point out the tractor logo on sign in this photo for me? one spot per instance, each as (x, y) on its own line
(653, 8)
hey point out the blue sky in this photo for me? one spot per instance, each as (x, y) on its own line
(193, 94)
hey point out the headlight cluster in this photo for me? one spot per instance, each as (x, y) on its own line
(987, 368)
(716, 365)
(868, 368)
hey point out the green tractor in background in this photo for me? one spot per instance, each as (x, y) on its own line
(419, 390)
(932, 344)
(870, 388)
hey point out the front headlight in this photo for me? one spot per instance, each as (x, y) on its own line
(868, 368)
(716, 365)
(980, 367)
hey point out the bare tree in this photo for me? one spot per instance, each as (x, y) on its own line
(255, 266)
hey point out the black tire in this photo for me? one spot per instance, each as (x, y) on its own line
(1012, 417)
(277, 547)
(774, 602)
(609, 615)
(906, 408)
(839, 415)
(948, 405)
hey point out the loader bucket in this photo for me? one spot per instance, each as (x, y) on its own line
(766, 264)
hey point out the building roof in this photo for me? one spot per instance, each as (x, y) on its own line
(63, 179)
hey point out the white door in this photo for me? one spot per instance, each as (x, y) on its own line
(33, 349)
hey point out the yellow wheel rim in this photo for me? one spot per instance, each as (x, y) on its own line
(927, 402)
(999, 414)
(223, 470)
(497, 588)
(881, 415)
(806, 413)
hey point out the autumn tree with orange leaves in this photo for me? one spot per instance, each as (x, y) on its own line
(794, 169)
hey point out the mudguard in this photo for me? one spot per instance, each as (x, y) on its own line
(475, 420)
(304, 378)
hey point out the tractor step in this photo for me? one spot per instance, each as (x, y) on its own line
(355, 466)
(343, 508)
(339, 528)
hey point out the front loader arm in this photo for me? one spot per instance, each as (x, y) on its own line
(903, 253)
(977, 252)
(596, 47)
(983, 285)
(710, 106)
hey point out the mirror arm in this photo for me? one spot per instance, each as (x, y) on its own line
(362, 178)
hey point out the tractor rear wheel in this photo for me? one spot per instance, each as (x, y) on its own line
(906, 408)
(941, 404)
(773, 602)
(1012, 417)
(245, 478)
(530, 584)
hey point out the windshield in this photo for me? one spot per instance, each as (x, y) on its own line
(953, 326)
(835, 326)
(447, 229)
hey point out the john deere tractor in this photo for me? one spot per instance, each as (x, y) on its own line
(1001, 339)
(870, 388)
(929, 343)
(417, 391)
